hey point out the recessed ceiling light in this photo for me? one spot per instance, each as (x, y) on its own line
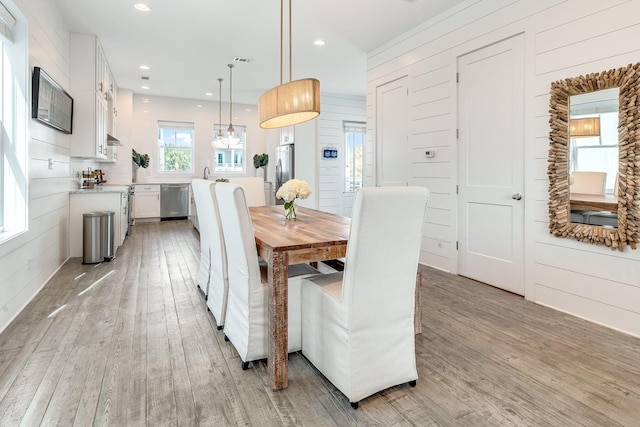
(142, 7)
(144, 67)
(145, 100)
(209, 94)
(199, 106)
(247, 109)
(319, 42)
(144, 87)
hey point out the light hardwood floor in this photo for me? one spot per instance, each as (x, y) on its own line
(140, 348)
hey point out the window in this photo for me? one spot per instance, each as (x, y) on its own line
(13, 122)
(175, 147)
(598, 153)
(354, 143)
(229, 152)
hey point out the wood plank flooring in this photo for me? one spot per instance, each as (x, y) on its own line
(139, 348)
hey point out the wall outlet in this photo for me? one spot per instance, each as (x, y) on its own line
(440, 242)
(28, 263)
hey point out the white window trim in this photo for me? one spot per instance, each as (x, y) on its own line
(238, 128)
(14, 119)
(349, 126)
(168, 124)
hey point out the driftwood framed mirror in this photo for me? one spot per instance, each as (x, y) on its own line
(624, 230)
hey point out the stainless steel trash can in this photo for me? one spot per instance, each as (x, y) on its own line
(108, 221)
(92, 237)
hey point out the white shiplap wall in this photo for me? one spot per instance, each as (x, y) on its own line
(563, 38)
(27, 261)
(335, 110)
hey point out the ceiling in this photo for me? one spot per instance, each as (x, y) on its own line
(187, 44)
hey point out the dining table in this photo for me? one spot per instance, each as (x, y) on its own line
(593, 202)
(311, 237)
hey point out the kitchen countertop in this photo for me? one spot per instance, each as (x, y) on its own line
(102, 189)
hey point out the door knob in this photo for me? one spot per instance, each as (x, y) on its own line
(517, 196)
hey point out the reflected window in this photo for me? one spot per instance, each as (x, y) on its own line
(598, 153)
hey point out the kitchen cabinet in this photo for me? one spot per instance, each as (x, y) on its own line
(112, 199)
(93, 89)
(193, 213)
(112, 155)
(147, 201)
(124, 215)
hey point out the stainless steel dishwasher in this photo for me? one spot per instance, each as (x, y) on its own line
(174, 201)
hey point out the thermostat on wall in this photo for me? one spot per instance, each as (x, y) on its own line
(329, 153)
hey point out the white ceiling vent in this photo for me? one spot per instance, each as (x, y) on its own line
(238, 59)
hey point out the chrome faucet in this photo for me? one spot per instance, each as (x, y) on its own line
(205, 174)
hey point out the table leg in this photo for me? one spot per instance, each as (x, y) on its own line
(417, 316)
(278, 327)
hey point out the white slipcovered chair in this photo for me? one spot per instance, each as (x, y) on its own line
(253, 189)
(358, 325)
(213, 256)
(200, 188)
(588, 182)
(246, 322)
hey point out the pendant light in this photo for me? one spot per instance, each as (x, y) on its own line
(584, 128)
(230, 129)
(218, 138)
(290, 103)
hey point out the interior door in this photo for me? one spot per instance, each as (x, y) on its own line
(491, 175)
(392, 135)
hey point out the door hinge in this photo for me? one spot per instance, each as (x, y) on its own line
(457, 77)
(457, 133)
(456, 245)
(457, 189)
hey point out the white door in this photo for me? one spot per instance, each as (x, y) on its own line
(392, 101)
(490, 174)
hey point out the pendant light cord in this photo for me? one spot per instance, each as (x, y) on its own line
(290, 50)
(231, 130)
(281, 35)
(220, 109)
(282, 41)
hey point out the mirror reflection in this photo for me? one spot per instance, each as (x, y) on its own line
(593, 157)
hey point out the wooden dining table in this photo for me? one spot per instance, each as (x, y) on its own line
(593, 202)
(313, 236)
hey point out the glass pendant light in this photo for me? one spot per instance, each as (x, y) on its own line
(218, 140)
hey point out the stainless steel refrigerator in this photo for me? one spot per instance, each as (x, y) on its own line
(285, 162)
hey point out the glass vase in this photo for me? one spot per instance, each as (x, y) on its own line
(290, 210)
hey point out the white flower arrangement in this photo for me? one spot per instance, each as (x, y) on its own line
(291, 190)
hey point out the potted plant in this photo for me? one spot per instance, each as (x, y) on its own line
(137, 161)
(261, 161)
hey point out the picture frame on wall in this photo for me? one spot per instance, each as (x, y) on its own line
(51, 104)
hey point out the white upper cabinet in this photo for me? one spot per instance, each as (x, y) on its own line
(93, 89)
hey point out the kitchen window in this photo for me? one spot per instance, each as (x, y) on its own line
(229, 150)
(354, 144)
(13, 121)
(175, 146)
